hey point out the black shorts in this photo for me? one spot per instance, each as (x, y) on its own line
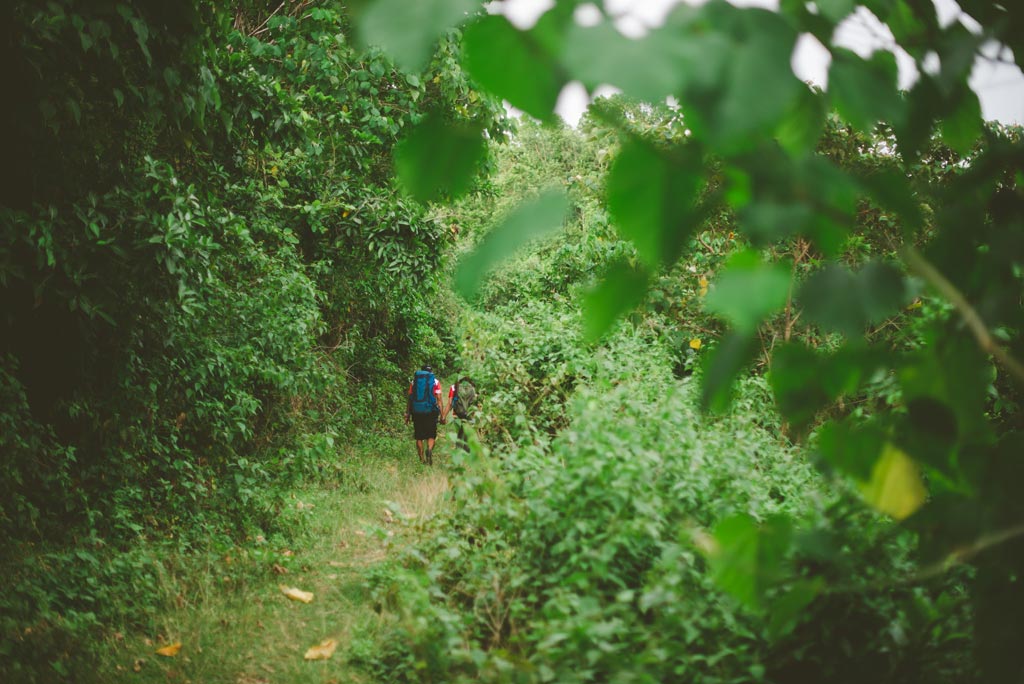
(424, 425)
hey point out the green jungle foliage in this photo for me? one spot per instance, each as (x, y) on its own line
(604, 529)
(207, 280)
(749, 364)
(861, 247)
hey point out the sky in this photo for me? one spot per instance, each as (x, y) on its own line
(1000, 86)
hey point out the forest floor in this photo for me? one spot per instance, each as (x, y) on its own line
(245, 630)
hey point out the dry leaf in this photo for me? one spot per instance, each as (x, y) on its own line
(296, 594)
(278, 569)
(388, 516)
(322, 651)
(287, 553)
(137, 665)
(170, 650)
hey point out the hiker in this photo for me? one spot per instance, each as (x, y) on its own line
(424, 405)
(461, 397)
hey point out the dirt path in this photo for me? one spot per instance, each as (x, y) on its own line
(248, 632)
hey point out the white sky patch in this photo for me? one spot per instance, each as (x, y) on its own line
(522, 14)
(810, 60)
(999, 85)
(864, 34)
(587, 15)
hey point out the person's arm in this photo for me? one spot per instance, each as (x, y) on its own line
(448, 409)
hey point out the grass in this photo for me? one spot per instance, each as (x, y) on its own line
(239, 628)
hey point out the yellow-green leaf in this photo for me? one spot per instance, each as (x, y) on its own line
(895, 487)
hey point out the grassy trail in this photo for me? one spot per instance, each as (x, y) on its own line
(247, 631)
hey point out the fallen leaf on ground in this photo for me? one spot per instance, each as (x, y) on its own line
(296, 594)
(137, 665)
(322, 651)
(287, 552)
(170, 650)
(278, 569)
(389, 517)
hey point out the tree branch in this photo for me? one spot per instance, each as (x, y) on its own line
(924, 268)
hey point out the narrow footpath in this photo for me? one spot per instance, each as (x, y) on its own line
(250, 631)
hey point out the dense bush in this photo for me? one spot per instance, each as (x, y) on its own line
(206, 275)
(587, 559)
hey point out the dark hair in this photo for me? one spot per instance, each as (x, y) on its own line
(426, 367)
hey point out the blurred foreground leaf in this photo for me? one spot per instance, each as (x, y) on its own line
(651, 196)
(895, 487)
(512, 64)
(748, 291)
(527, 222)
(408, 30)
(622, 288)
(748, 558)
(438, 159)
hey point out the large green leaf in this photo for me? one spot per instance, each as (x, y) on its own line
(651, 196)
(787, 608)
(408, 30)
(722, 366)
(622, 288)
(894, 486)
(956, 373)
(836, 10)
(527, 222)
(849, 448)
(864, 90)
(648, 69)
(750, 558)
(515, 65)
(805, 381)
(438, 159)
(760, 87)
(842, 301)
(962, 127)
(748, 291)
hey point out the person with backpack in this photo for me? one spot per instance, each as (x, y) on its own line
(461, 397)
(423, 405)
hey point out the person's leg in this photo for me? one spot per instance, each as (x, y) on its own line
(419, 449)
(430, 452)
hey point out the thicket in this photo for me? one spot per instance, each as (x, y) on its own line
(917, 410)
(581, 543)
(207, 281)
